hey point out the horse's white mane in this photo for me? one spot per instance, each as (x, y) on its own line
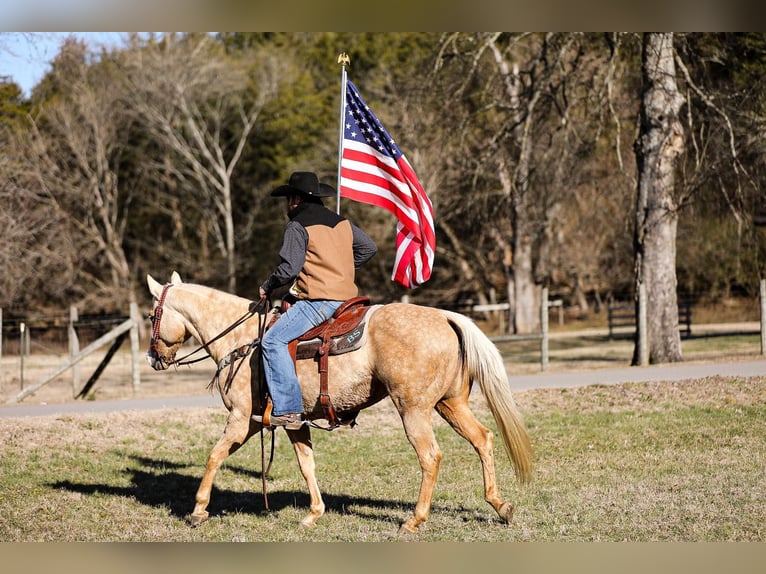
(198, 287)
(175, 279)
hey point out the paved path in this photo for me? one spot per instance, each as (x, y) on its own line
(75, 407)
(669, 372)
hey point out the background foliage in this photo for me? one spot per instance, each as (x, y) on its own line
(92, 195)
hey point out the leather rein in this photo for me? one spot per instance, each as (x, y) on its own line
(156, 316)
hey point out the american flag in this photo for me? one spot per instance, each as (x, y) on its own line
(374, 170)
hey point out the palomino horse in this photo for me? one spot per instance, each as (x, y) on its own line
(422, 358)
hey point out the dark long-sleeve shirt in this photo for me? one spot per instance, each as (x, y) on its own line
(295, 244)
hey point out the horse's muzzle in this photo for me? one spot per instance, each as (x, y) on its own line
(155, 361)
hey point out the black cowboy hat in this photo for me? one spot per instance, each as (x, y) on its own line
(305, 182)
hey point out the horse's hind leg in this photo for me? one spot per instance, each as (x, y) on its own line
(459, 415)
(304, 452)
(238, 430)
(420, 433)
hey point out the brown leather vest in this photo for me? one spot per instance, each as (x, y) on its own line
(328, 272)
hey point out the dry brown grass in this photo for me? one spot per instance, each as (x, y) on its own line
(649, 397)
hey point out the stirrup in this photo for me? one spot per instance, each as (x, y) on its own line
(265, 420)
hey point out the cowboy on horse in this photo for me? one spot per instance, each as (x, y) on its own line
(319, 255)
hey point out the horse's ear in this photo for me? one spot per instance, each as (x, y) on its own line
(154, 287)
(175, 278)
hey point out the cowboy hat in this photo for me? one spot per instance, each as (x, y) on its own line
(305, 182)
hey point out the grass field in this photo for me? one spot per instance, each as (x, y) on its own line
(669, 461)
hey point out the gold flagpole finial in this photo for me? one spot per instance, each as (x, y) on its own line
(343, 59)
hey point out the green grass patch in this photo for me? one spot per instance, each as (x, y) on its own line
(680, 461)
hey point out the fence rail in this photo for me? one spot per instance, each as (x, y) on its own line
(105, 332)
(621, 315)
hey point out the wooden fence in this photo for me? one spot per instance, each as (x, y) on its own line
(128, 328)
(621, 315)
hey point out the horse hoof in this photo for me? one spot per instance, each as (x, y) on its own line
(309, 522)
(506, 512)
(196, 519)
(406, 530)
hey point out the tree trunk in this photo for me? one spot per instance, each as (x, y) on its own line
(526, 318)
(521, 286)
(659, 142)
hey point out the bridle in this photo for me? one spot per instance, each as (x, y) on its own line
(156, 316)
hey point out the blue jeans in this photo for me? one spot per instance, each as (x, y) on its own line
(278, 364)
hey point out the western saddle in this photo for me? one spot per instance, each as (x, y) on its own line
(341, 333)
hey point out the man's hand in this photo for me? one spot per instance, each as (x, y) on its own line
(256, 306)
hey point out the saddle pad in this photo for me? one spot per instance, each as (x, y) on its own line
(346, 342)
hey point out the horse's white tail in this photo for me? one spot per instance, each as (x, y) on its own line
(485, 366)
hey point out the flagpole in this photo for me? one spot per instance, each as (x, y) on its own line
(344, 61)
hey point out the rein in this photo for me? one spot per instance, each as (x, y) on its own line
(234, 356)
(226, 331)
(157, 316)
(261, 382)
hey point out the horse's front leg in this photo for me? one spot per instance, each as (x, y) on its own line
(238, 429)
(304, 452)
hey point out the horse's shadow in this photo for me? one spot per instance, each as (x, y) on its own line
(163, 484)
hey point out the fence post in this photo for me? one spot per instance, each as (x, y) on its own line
(643, 346)
(135, 351)
(544, 328)
(74, 348)
(22, 328)
(763, 316)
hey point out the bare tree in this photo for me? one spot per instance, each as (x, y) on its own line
(518, 93)
(660, 142)
(37, 255)
(522, 292)
(72, 156)
(202, 106)
(34, 259)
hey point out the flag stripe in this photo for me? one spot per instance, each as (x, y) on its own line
(376, 177)
(374, 170)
